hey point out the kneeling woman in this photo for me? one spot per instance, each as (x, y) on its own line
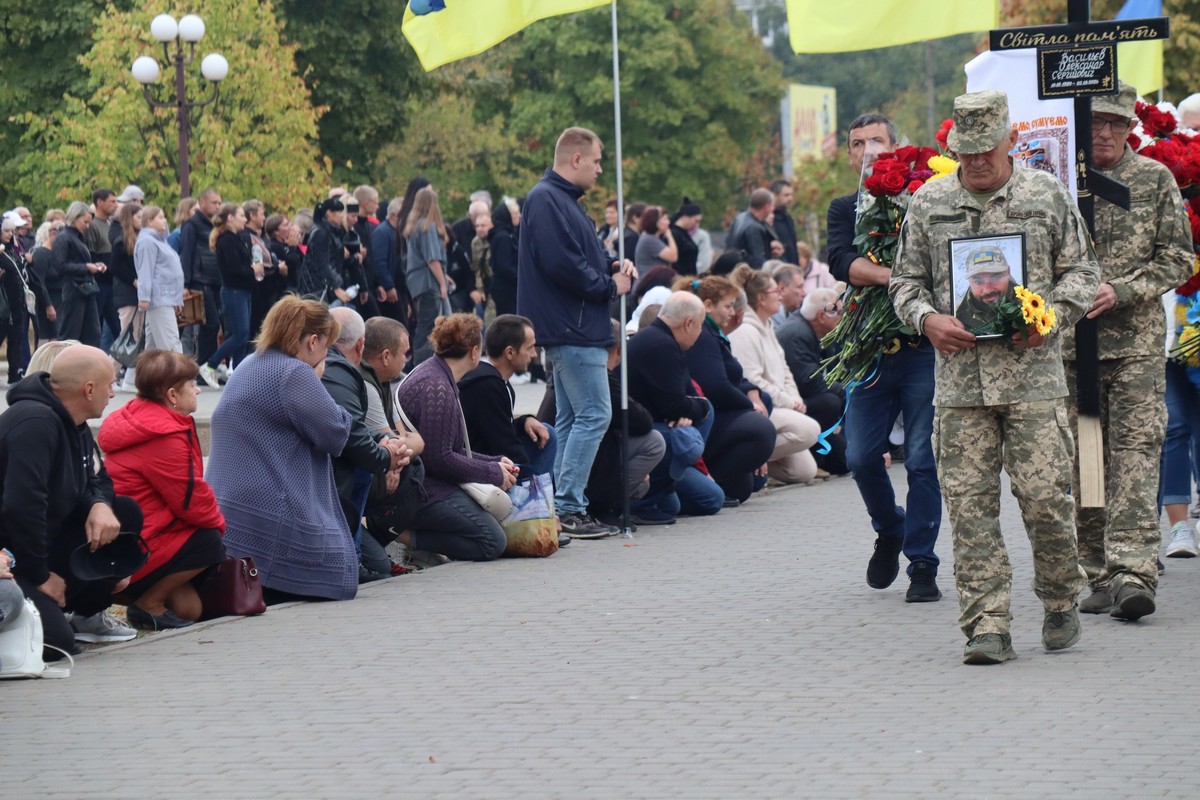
(153, 455)
(761, 356)
(273, 434)
(450, 522)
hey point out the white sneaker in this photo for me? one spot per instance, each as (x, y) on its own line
(1183, 541)
(101, 627)
(208, 376)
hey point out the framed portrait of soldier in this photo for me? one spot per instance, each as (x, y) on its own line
(984, 271)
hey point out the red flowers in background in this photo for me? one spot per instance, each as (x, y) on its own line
(907, 169)
(1156, 122)
(1160, 138)
(942, 134)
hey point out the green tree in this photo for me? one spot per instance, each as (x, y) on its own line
(259, 140)
(699, 101)
(360, 70)
(38, 52)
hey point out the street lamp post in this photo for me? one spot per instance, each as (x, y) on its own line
(214, 67)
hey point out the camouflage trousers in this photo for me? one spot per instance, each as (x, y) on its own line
(1119, 543)
(1032, 442)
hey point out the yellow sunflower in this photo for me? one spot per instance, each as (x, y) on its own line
(1044, 324)
(942, 166)
(1022, 293)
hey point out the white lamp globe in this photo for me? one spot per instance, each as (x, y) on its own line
(191, 28)
(145, 70)
(163, 28)
(215, 67)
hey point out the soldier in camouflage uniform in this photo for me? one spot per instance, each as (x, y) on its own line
(1000, 404)
(1143, 252)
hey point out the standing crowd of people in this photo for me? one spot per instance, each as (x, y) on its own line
(367, 366)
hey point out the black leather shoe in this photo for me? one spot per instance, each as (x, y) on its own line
(167, 620)
(884, 565)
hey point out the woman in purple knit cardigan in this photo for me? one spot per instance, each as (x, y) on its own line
(273, 433)
(450, 522)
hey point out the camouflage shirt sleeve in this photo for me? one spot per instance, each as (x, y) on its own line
(911, 284)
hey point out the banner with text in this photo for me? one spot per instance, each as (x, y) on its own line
(1045, 129)
(809, 124)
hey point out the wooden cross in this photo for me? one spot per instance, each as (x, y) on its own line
(1100, 39)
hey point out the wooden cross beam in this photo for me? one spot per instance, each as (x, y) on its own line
(1081, 33)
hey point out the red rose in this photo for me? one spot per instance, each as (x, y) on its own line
(907, 154)
(943, 132)
(872, 184)
(922, 163)
(1194, 219)
(914, 185)
(1156, 123)
(893, 183)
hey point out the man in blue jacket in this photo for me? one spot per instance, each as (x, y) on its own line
(564, 287)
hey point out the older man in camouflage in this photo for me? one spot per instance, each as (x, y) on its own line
(1143, 252)
(1000, 404)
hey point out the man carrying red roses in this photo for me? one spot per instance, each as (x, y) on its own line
(903, 384)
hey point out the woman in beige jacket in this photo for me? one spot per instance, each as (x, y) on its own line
(755, 346)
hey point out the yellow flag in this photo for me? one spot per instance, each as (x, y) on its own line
(454, 29)
(819, 26)
(1140, 64)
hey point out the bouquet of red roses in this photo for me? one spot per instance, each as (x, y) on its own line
(1160, 135)
(870, 328)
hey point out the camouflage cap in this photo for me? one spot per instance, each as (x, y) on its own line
(980, 122)
(1120, 104)
(986, 260)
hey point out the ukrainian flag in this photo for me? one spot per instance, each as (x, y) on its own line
(819, 26)
(1140, 64)
(442, 31)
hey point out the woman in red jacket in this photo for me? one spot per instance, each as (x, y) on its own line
(153, 455)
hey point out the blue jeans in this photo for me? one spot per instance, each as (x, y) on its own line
(694, 494)
(541, 461)
(1183, 433)
(904, 385)
(584, 409)
(235, 305)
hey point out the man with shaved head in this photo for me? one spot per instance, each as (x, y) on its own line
(56, 497)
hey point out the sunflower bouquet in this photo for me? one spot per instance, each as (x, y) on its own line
(1020, 312)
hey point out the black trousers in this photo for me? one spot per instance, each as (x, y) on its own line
(206, 341)
(83, 597)
(740, 442)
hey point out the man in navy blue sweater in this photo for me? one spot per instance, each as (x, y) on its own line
(564, 287)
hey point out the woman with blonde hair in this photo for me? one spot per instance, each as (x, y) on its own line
(123, 236)
(761, 356)
(42, 268)
(425, 235)
(159, 280)
(273, 435)
(183, 212)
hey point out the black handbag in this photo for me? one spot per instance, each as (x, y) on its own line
(132, 341)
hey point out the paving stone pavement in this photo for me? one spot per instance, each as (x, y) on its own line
(736, 656)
